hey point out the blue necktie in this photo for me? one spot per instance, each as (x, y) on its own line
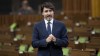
(49, 27)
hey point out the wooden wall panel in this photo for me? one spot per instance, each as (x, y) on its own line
(6, 20)
(96, 8)
(77, 8)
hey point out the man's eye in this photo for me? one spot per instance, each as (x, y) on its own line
(50, 10)
(46, 11)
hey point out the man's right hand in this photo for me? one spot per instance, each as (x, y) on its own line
(49, 39)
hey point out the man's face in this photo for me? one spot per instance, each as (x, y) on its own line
(48, 13)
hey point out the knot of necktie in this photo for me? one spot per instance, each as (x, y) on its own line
(48, 22)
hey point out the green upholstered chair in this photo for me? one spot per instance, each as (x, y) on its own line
(66, 51)
(98, 53)
(13, 26)
(18, 37)
(0, 45)
(23, 48)
(69, 29)
(82, 39)
(31, 49)
(97, 30)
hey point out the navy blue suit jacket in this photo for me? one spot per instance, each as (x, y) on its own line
(49, 49)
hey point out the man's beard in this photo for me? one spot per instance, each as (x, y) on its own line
(49, 17)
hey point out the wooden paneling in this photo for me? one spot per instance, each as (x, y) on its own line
(95, 8)
(80, 9)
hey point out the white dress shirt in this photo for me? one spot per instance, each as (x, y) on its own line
(51, 23)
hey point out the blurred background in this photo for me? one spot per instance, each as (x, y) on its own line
(81, 17)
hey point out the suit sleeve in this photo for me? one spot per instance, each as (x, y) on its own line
(35, 39)
(63, 40)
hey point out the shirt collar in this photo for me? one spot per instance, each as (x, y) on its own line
(51, 21)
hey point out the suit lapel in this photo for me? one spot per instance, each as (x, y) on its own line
(54, 27)
(44, 28)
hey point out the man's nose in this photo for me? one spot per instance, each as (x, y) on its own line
(49, 12)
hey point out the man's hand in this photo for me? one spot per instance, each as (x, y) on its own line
(51, 38)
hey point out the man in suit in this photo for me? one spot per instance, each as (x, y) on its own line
(49, 35)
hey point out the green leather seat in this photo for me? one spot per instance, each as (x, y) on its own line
(96, 30)
(18, 37)
(22, 48)
(66, 51)
(31, 49)
(13, 25)
(82, 39)
(98, 53)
